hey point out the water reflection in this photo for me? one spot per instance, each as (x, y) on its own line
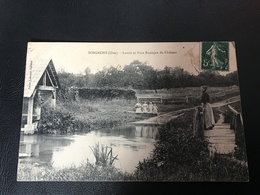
(131, 143)
(148, 131)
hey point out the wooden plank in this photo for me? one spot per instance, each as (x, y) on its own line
(233, 110)
(219, 132)
(217, 127)
(44, 79)
(215, 136)
(220, 137)
(222, 141)
(30, 111)
(49, 77)
(46, 88)
(223, 145)
(223, 131)
(27, 115)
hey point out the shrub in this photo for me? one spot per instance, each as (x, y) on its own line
(55, 121)
(178, 156)
(106, 94)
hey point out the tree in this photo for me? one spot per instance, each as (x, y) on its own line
(167, 77)
(135, 73)
(66, 79)
(87, 76)
(232, 78)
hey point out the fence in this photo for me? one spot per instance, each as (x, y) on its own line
(164, 100)
(236, 123)
(198, 123)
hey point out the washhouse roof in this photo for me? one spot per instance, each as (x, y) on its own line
(34, 72)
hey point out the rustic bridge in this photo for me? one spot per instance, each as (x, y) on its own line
(167, 117)
(164, 100)
(224, 137)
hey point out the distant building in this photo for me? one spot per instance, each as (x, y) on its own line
(40, 87)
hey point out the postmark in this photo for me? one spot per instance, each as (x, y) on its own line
(215, 56)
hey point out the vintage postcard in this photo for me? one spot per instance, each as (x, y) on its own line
(132, 112)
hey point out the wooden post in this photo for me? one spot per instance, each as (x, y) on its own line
(236, 123)
(238, 130)
(30, 111)
(28, 149)
(55, 98)
(44, 79)
(198, 123)
(234, 114)
(194, 123)
(201, 123)
(232, 120)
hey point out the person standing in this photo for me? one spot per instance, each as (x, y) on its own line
(207, 110)
(155, 109)
(138, 107)
(145, 107)
(150, 107)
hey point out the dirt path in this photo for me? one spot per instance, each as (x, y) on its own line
(165, 118)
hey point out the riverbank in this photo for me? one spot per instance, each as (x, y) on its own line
(82, 115)
(85, 172)
(85, 116)
(177, 156)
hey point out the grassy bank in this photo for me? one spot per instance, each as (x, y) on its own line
(86, 172)
(177, 156)
(82, 115)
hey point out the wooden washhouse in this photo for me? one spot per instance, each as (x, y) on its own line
(40, 88)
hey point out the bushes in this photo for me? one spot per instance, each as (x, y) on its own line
(106, 94)
(177, 146)
(178, 156)
(55, 121)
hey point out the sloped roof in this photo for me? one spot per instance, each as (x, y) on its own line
(33, 73)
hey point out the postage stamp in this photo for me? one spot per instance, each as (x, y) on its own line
(215, 56)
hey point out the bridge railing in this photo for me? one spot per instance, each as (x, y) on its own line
(164, 100)
(236, 123)
(198, 123)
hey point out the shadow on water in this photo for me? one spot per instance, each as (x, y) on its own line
(131, 143)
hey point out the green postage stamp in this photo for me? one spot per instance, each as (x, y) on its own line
(215, 56)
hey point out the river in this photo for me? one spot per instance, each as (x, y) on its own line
(131, 143)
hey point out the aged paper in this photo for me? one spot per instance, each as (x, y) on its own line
(132, 112)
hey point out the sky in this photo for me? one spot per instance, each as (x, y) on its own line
(75, 57)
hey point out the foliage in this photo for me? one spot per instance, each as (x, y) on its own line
(56, 121)
(85, 172)
(141, 75)
(100, 114)
(178, 156)
(178, 143)
(103, 155)
(106, 94)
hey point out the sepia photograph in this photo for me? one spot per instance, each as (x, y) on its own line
(155, 111)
